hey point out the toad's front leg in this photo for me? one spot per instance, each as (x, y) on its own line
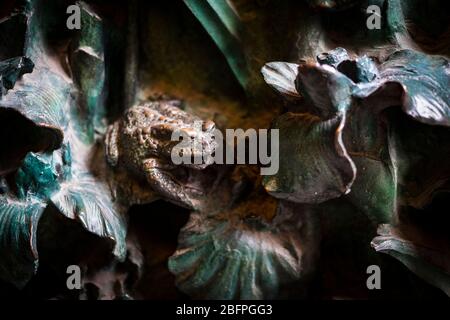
(164, 183)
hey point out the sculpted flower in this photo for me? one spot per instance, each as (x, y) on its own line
(255, 248)
(54, 167)
(347, 99)
(245, 257)
(351, 136)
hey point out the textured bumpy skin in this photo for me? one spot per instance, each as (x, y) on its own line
(141, 142)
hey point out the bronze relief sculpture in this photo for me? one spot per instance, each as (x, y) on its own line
(87, 176)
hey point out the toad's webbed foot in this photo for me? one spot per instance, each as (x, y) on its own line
(165, 184)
